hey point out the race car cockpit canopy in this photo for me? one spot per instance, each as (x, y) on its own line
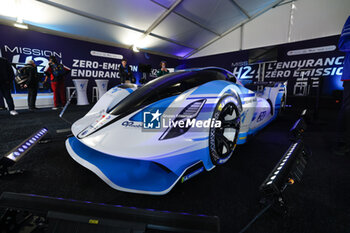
(166, 86)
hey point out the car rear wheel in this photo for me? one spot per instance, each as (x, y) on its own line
(223, 139)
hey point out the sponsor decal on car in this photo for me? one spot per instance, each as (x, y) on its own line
(154, 120)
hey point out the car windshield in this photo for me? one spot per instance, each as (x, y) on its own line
(163, 87)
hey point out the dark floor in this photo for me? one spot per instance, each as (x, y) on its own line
(320, 203)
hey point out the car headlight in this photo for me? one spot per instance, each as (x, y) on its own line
(190, 112)
(97, 124)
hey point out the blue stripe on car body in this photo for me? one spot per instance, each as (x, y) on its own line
(129, 90)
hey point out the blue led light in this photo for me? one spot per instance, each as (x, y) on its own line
(16, 153)
(163, 211)
(185, 213)
(28, 143)
(24, 147)
(20, 150)
(31, 141)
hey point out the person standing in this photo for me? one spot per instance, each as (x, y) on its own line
(57, 73)
(343, 144)
(32, 84)
(163, 70)
(125, 72)
(2, 103)
(6, 80)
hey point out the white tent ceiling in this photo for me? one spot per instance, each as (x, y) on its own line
(170, 27)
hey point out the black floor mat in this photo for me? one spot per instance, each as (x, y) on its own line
(319, 204)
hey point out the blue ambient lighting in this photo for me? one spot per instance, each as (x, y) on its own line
(119, 206)
(26, 145)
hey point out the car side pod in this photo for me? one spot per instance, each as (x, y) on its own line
(129, 175)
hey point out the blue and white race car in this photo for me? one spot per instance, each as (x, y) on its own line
(146, 139)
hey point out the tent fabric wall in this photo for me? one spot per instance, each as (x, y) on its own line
(175, 28)
(310, 19)
(268, 29)
(229, 43)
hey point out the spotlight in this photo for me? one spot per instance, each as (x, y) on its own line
(19, 151)
(20, 25)
(287, 171)
(135, 49)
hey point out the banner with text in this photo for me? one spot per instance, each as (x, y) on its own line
(87, 60)
(306, 65)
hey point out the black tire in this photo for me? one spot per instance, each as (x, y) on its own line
(221, 147)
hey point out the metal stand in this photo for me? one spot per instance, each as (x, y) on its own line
(66, 106)
(13, 220)
(276, 202)
(4, 168)
(67, 130)
(5, 172)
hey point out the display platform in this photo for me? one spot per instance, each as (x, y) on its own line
(171, 153)
(43, 100)
(231, 192)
